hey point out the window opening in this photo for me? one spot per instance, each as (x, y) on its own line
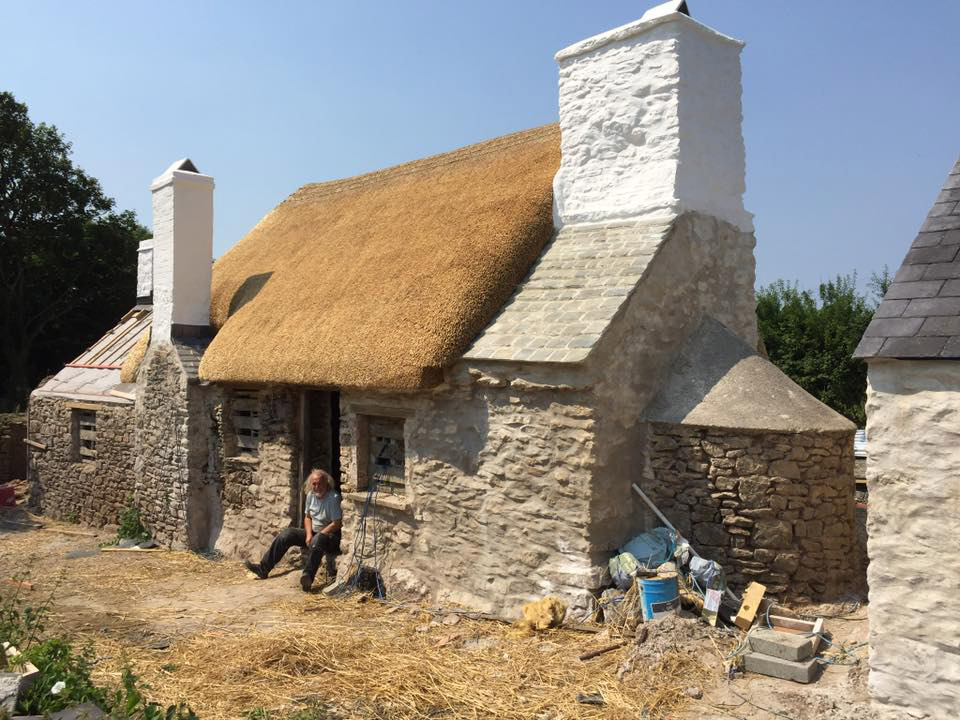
(245, 418)
(84, 434)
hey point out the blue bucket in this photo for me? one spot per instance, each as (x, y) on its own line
(660, 596)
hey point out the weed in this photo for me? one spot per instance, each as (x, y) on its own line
(20, 624)
(130, 526)
(58, 662)
(66, 670)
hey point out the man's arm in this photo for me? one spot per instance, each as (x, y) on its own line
(332, 527)
(308, 526)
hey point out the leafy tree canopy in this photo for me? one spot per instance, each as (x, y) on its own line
(67, 259)
(811, 337)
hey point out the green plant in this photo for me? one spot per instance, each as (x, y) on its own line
(129, 703)
(20, 624)
(60, 667)
(72, 517)
(130, 526)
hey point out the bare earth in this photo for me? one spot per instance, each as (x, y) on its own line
(207, 632)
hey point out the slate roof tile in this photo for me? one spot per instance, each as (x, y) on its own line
(940, 253)
(893, 327)
(942, 326)
(916, 347)
(938, 271)
(923, 289)
(580, 281)
(929, 307)
(920, 313)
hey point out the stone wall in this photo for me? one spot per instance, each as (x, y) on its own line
(495, 511)
(777, 508)
(176, 459)
(13, 451)
(913, 477)
(92, 491)
(260, 495)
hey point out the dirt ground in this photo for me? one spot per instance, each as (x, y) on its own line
(203, 630)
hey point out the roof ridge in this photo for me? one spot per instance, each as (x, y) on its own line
(312, 191)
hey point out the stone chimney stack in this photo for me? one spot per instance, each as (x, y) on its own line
(182, 252)
(650, 121)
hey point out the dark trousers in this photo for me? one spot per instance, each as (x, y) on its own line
(320, 545)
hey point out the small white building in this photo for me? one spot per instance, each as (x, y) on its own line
(912, 348)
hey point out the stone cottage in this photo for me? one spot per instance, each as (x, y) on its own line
(486, 348)
(912, 349)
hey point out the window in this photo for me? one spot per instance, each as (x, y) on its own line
(84, 429)
(380, 451)
(245, 420)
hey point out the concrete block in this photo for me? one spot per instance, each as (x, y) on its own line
(785, 646)
(801, 672)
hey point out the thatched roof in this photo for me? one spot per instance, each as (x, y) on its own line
(380, 281)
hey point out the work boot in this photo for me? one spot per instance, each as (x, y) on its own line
(305, 582)
(255, 569)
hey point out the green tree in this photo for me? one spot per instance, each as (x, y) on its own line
(812, 339)
(67, 259)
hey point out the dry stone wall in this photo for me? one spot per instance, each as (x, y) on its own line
(777, 508)
(495, 511)
(162, 437)
(92, 491)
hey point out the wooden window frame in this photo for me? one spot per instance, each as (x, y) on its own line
(244, 420)
(363, 442)
(83, 430)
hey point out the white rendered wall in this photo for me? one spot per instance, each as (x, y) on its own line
(145, 269)
(650, 119)
(183, 250)
(913, 475)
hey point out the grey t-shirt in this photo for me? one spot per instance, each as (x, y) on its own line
(323, 510)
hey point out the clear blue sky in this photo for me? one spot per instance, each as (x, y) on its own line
(852, 109)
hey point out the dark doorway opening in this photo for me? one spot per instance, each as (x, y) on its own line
(319, 437)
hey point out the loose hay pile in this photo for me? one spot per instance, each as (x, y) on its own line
(370, 662)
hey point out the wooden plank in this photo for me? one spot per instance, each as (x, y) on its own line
(124, 395)
(133, 549)
(84, 406)
(34, 443)
(88, 434)
(87, 452)
(245, 406)
(751, 603)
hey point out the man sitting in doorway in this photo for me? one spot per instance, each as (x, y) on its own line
(320, 533)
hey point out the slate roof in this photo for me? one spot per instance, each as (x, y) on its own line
(96, 372)
(920, 313)
(571, 295)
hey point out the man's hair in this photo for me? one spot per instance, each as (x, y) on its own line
(313, 473)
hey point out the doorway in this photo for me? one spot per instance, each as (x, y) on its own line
(319, 437)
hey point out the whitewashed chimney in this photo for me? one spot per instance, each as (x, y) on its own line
(182, 252)
(650, 120)
(145, 272)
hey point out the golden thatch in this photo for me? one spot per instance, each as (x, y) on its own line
(380, 281)
(131, 364)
